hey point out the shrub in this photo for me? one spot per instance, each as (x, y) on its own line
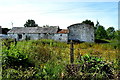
(19, 74)
(92, 68)
(96, 65)
(47, 59)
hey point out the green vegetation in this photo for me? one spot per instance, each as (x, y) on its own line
(30, 23)
(88, 22)
(101, 32)
(49, 60)
(111, 33)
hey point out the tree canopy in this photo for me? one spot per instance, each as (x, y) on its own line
(46, 26)
(88, 22)
(30, 23)
(101, 33)
(111, 33)
(5, 30)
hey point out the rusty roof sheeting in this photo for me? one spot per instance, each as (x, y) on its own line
(64, 31)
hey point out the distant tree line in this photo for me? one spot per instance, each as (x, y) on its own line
(5, 30)
(101, 33)
(30, 23)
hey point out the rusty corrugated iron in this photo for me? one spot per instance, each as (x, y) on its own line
(63, 31)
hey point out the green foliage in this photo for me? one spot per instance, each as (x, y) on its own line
(88, 22)
(100, 33)
(97, 24)
(6, 42)
(47, 59)
(30, 23)
(91, 68)
(117, 35)
(46, 26)
(34, 54)
(93, 64)
(19, 74)
(50, 71)
(5, 30)
(14, 57)
(111, 33)
(85, 45)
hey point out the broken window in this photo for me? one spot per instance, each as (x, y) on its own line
(19, 36)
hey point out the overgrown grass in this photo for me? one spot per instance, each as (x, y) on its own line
(47, 59)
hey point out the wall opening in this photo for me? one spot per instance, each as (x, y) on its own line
(19, 36)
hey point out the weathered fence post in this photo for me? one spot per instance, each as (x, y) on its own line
(71, 52)
(72, 69)
(15, 42)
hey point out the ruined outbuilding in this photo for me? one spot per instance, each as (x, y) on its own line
(80, 32)
(35, 33)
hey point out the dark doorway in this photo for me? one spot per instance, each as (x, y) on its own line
(19, 36)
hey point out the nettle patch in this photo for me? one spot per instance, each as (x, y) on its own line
(90, 67)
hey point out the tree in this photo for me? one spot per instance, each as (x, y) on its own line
(117, 35)
(30, 23)
(96, 27)
(46, 26)
(88, 22)
(5, 30)
(101, 33)
(97, 24)
(111, 33)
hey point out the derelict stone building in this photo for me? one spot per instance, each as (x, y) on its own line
(81, 32)
(34, 33)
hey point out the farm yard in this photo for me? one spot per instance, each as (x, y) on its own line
(59, 40)
(47, 59)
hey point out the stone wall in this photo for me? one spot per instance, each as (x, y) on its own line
(61, 37)
(32, 36)
(13, 36)
(81, 32)
(23, 36)
(55, 36)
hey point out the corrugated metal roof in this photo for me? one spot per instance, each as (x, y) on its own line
(51, 29)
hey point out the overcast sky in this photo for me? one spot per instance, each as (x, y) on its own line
(58, 13)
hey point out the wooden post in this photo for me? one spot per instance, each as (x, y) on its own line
(15, 42)
(71, 52)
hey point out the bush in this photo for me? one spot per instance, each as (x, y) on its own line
(50, 71)
(19, 74)
(48, 60)
(91, 67)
